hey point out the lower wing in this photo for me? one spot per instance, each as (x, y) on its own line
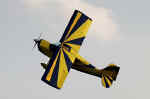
(58, 68)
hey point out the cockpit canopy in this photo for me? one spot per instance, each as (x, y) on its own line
(57, 43)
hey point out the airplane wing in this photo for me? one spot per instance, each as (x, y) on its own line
(58, 68)
(61, 61)
(76, 31)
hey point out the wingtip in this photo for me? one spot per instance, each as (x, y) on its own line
(76, 10)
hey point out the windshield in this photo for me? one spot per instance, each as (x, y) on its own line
(57, 43)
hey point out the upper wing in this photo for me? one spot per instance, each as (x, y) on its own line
(58, 68)
(76, 31)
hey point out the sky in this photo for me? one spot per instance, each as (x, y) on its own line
(119, 34)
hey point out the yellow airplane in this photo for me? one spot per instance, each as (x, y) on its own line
(64, 55)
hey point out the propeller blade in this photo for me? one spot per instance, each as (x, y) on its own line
(40, 35)
(34, 46)
(35, 40)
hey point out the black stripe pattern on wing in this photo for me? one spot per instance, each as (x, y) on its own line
(68, 61)
(76, 41)
(54, 77)
(82, 20)
(68, 26)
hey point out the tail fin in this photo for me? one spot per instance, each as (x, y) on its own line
(109, 75)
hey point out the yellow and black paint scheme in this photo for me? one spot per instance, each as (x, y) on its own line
(65, 56)
(46, 48)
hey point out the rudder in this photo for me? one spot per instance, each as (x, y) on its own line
(109, 75)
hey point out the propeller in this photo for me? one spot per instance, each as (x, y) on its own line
(37, 40)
